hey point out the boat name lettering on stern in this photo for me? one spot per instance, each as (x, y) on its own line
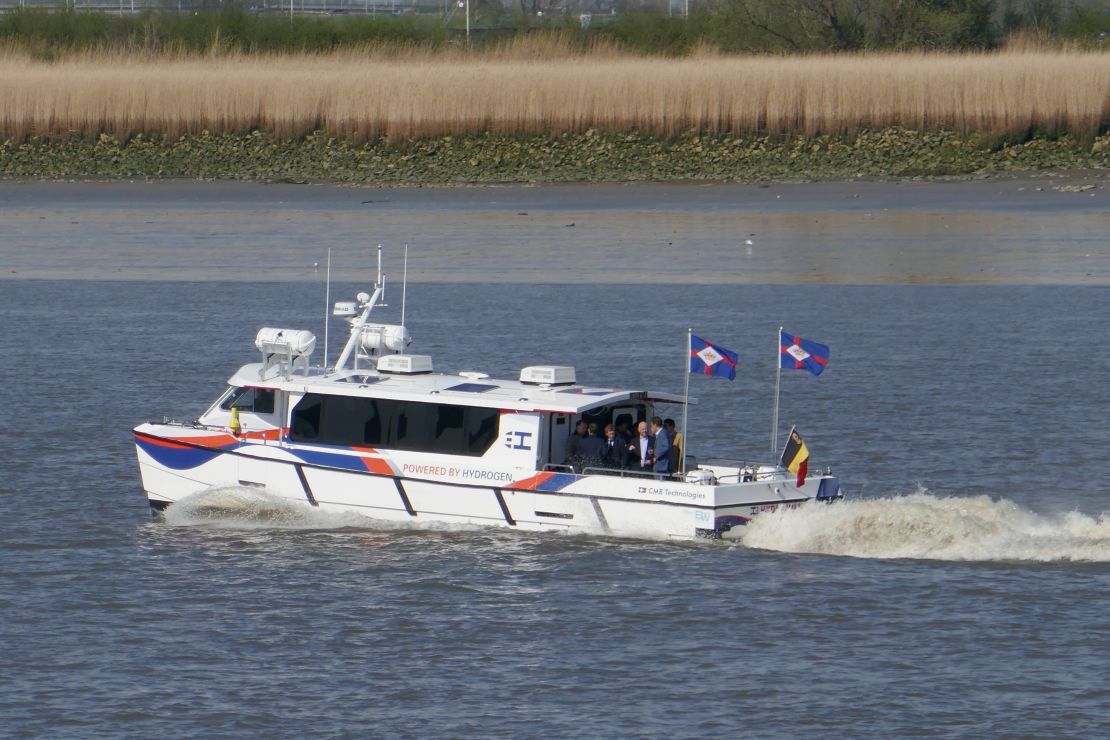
(771, 508)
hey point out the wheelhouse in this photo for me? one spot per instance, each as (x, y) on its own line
(523, 424)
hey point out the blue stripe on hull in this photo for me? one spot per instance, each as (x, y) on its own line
(176, 458)
(329, 459)
(557, 482)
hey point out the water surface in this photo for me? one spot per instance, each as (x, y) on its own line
(998, 231)
(961, 590)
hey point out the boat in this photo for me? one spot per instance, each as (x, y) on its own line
(382, 434)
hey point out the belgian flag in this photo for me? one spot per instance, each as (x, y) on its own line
(795, 457)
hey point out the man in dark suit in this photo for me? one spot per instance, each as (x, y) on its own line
(662, 466)
(576, 438)
(616, 450)
(591, 450)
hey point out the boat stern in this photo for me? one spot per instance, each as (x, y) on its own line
(737, 505)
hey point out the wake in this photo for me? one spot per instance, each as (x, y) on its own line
(240, 507)
(924, 526)
(915, 526)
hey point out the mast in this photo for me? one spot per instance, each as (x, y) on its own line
(367, 303)
(778, 380)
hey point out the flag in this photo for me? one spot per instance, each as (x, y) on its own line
(711, 359)
(802, 354)
(795, 457)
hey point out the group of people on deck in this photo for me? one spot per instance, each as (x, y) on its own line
(656, 449)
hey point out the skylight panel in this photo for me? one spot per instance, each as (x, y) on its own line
(471, 388)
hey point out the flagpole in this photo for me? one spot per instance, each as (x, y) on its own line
(686, 401)
(327, 311)
(778, 381)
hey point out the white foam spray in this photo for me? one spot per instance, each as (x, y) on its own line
(924, 526)
(241, 507)
(245, 508)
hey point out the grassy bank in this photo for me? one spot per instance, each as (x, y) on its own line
(540, 110)
(585, 157)
(536, 88)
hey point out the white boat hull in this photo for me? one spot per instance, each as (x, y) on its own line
(178, 460)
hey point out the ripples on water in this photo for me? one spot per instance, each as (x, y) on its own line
(962, 589)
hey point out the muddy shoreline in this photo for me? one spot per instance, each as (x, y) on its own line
(590, 157)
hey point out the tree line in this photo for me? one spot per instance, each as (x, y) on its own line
(729, 26)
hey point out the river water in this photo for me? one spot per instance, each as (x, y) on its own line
(961, 589)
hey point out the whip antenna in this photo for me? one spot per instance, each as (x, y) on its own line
(404, 287)
(327, 310)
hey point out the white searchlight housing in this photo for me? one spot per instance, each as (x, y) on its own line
(284, 349)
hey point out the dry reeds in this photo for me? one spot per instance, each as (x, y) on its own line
(413, 92)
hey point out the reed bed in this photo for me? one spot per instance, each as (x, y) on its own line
(403, 93)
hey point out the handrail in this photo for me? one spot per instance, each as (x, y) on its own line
(621, 472)
(755, 477)
(243, 437)
(597, 470)
(732, 463)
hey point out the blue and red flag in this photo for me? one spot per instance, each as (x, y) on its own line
(707, 358)
(802, 354)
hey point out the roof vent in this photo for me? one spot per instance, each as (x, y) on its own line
(405, 364)
(547, 375)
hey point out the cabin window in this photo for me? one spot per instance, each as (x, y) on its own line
(348, 421)
(255, 400)
(306, 419)
(391, 424)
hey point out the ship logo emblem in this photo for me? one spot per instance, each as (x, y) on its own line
(518, 440)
